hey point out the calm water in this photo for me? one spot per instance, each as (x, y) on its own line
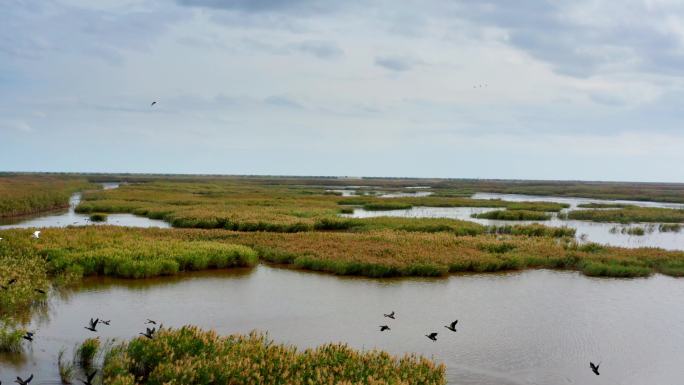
(69, 217)
(534, 327)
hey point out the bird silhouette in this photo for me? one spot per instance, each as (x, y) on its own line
(384, 327)
(41, 291)
(23, 382)
(149, 321)
(594, 368)
(432, 336)
(89, 378)
(105, 322)
(36, 234)
(452, 326)
(92, 325)
(149, 333)
(28, 336)
(390, 315)
(153, 103)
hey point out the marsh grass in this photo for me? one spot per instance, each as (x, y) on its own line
(28, 194)
(245, 206)
(630, 215)
(604, 205)
(86, 352)
(10, 338)
(513, 215)
(65, 367)
(192, 356)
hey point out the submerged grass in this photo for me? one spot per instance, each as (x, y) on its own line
(630, 215)
(98, 217)
(192, 356)
(65, 367)
(513, 215)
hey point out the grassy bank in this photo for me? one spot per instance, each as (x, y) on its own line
(514, 215)
(630, 215)
(23, 195)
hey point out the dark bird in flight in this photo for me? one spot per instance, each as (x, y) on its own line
(153, 103)
(92, 324)
(24, 382)
(28, 336)
(390, 315)
(384, 327)
(594, 368)
(41, 291)
(89, 379)
(149, 333)
(149, 321)
(452, 326)
(105, 322)
(432, 336)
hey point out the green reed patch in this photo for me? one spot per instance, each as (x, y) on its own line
(191, 356)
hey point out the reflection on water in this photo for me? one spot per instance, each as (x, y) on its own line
(70, 217)
(533, 327)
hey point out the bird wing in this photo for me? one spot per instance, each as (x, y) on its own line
(453, 324)
(29, 379)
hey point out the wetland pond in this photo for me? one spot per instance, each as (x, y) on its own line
(587, 231)
(531, 327)
(69, 217)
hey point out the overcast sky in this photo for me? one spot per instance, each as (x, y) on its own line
(586, 89)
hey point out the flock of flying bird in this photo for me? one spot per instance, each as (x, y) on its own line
(432, 336)
(149, 332)
(92, 326)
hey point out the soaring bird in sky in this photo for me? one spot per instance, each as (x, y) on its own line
(153, 103)
(92, 324)
(390, 315)
(452, 326)
(384, 327)
(594, 368)
(432, 336)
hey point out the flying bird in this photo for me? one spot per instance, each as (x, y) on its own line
(89, 379)
(153, 103)
(105, 322)
(432, 336)
(23, 382)
(390, 315)
(92, 325)
(384, 327)
(28, 336)
(452, 326)
(594, 368)
(149, 321)
(36, 234)
(149, 333)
